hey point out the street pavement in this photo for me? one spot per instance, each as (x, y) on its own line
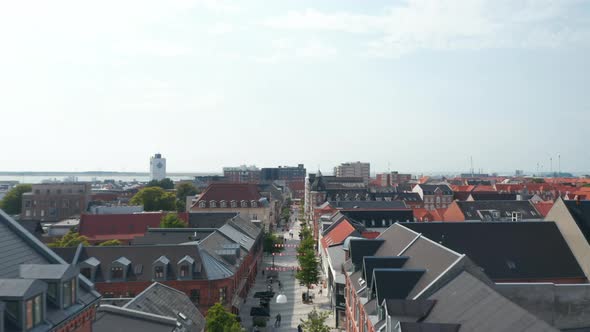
(294, 310)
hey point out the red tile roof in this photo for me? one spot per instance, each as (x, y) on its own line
(482, 188)
(544, 207)
(338, 234)
(231, 191)
(102, 227)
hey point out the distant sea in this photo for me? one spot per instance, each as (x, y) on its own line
(39, 177)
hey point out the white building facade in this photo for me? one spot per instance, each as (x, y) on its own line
(157, 167)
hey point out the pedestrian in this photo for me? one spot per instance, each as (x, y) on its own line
(278, 320)
(299, 328)
(263, 272)
(320, 292)
(280, 286)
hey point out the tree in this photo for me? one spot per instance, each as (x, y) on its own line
(220, 320)
(182, 191)
(316, 321)
(164, 183)
(110, 243)
(309, 273)
(71, 239)
(12, 202)
(155, 199)
(270, 243)
(171, 220)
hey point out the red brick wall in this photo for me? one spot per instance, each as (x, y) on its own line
(80, 323)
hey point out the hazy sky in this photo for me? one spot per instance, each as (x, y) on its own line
(418, 84)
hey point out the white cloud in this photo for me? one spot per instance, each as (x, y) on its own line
(449, 24)
(286, 49)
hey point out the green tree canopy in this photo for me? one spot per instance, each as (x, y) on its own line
(316, 321)
(155, 199)
(269, 243)
(220, 320)
(171, 220)
(110, 243)
(186, 189)
(12, 202)
(164, 183)
(71, 239)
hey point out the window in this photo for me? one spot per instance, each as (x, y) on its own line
(34, 312)
(184, 270)
(222, 295)
(69, 288)
(244, 204)
(116, 272)
(196, 295)
(13, 310)
(383, 222)
(27, 203)
(212, 204)
(52, 292)
(223, 204)
(234, 204)
(254, 204)
(159, 272)
(202, 204)
(66, 204)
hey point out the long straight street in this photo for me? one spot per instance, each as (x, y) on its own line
(294, 310)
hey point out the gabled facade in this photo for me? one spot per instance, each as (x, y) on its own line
(434, 196)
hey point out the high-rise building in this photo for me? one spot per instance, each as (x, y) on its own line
(287, 173)
(157, 167)
(353, 170)
(242, 174)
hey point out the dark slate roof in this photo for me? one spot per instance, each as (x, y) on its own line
(209, 219)
(428, 327)
(238, 237)
(358, 249)
(141, 259)
(405, 281)
(468, 301)
(580, 211)
(507, 250)
(396, 239)
(348, 205)
(111, 319)
(371, 262)
(429, 189)
(379, 215)
(415, 309)
(172, 235)
(483, 196)
(166, 301)
(481, 210)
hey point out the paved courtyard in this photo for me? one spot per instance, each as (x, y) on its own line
(294, 310)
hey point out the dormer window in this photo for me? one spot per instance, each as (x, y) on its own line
(254, 204)
(244, 204)
(24, 302)
(69, 292)
(202, 204)
(212, 204)
(184, 269)
(234, 204)
(223, 204)
(116, 272)
(160, 268)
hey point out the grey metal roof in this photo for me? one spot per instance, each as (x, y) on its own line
(165, 301)
(209, 219)
(246, 226)
(111, 319)
(214, 268)
(172, 235)
(163, 260)
(92, 261)
(187, 259)
(350, 205)
(20, 287)
(468, 301)
(47, 271)
(122, 260)
(482, 210)
(244, 240)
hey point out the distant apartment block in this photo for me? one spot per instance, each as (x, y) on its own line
(55, 201)
(157, 167)
(353, 170)
(391, 179)
(287, 173)
(242, 174)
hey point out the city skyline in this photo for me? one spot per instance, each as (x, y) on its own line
(418, 85)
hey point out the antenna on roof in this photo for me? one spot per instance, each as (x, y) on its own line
(471, 159)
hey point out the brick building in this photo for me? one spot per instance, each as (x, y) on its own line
(39, 291)
(434, 196)
(55, 201)
(219, 268)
